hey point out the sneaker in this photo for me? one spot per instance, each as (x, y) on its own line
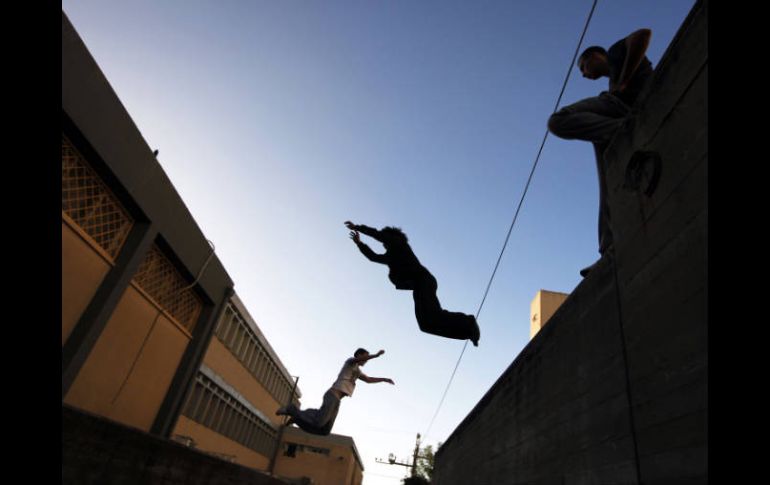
(584, 272)
(282, 411)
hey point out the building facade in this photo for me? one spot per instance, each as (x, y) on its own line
(141, 286)
(325, 460)
(241, 383)
(543, 306)
(153, 335)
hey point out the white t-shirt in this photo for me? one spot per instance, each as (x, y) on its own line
(346, 381)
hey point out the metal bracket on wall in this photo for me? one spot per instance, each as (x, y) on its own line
(643, 172)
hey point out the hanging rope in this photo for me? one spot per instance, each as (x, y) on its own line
(516, 214)
(622, 334)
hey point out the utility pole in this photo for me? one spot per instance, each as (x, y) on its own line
(415, 456)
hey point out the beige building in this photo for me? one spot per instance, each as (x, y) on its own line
(325, 460)
(230, 410)
(543, 306)
(135, 310)
(153, 335)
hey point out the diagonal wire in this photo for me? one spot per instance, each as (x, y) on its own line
(516, 214)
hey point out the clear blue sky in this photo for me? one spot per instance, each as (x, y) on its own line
(278, 120)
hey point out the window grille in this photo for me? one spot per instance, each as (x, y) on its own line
(161, 280)
(233, 331)
(89, 203)
(216, 409)
(291, 449)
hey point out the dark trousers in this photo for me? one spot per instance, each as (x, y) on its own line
(317, 421)
(593, 119)
(432, 318)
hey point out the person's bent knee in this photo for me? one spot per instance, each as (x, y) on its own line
(556, 123)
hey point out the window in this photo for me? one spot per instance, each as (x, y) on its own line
(291, 450)
(236, 334)
(163, 283)
(213, 407)
(90, 205)
(315, 449)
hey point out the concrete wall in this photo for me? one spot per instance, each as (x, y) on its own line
(128, 372)
(559, 413)
(98, 451)
(614, 389)
(662, 262)
(210, 441)
(83, 270)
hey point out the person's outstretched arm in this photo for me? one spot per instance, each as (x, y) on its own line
(364, 358)
(369, 231)
(375, 380)
(636, 46)
(366, 250)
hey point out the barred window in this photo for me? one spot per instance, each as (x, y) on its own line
(216, 409)
(316, 449)
(161, 280)
(290, 449)
(233, 331)
(89, 203)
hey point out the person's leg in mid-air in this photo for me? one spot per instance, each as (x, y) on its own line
(434, 320)
(315, 421)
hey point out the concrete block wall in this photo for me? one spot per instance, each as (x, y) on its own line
(96, 450)
(614, 389)
(559, 413)
(662, 263)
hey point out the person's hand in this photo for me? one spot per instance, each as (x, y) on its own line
(350, 225)
(389, 381)
(380, 353)
(355, 237)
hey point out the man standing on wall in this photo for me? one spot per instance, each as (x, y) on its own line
(596, 119)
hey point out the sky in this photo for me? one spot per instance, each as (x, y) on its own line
(277, 121)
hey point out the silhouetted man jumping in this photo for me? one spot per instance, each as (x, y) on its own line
(596, 119)
(320, 421)
(406, 273)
